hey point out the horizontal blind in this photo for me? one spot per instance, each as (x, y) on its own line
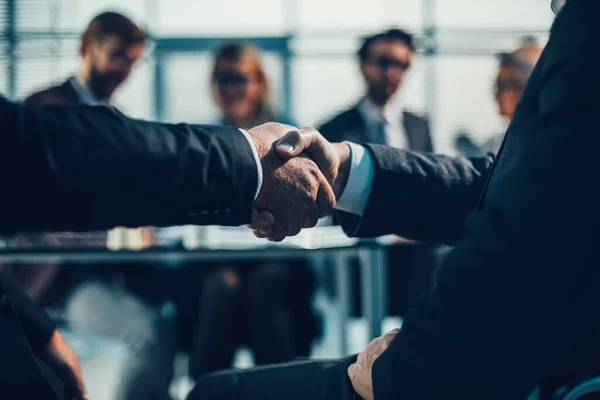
(454, 86)
(46, 43)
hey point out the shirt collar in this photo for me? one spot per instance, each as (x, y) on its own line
(85, 93)
(376, 113)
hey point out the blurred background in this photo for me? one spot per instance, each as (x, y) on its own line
(454, 86)
(308, 48)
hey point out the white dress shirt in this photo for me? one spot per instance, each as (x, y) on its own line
(256, 159)
(392, 118)
(86, 96)
(356, 194)
(360, 179)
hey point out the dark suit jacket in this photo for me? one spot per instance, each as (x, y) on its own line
(140, 278)
(91, 168)
(351, 126)
(521, 287)
(298, 380)
(63, 94)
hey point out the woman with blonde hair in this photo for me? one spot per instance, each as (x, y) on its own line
(241, 88)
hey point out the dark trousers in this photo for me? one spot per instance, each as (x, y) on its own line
(266, 306)
(299, 380)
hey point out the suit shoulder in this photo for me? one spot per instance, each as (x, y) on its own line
(339, 121)
(54, 94)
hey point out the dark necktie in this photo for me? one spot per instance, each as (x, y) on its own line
(379, 134)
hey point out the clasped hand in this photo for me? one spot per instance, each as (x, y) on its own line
(302, 176)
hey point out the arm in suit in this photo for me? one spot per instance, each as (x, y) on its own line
(521, 289)
(82, 168)
(419, 196)
(36, 324)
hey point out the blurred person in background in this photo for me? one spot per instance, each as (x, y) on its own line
(266, 306)
(110, 47)
(513, 73)
(385, 59)
(117, 301)
(241, 88)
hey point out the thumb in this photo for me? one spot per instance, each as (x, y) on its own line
(291, 145)
(312, 143)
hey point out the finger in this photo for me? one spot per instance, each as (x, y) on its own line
(290, 145)
(325, 199)
(261, 219)
(279, 233)
(260, 234)
(393, 332)
(295, 228)
(310, 220)
(361, 357)
(388, 337)
(311, 142)
(263, 232)
(321, 152)
(352, 372)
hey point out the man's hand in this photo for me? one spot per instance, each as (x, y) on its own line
(294, 191)
(333, 159)
(64, 362)
(361, 372)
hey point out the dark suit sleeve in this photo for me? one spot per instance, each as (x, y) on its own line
(37, 326)
(420, 196)
(521, 290)
(82, 168)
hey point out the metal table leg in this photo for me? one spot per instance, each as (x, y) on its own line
(373, 265)
(342, 273)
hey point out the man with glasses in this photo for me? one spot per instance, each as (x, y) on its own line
(385, 59)
(110, 47)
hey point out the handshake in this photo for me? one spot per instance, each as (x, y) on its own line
(303, 175)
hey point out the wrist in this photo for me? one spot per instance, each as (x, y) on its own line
(345, 158)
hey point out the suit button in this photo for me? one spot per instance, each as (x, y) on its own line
(204, 213)
(191, 215)
(227, 210)
(216, 211)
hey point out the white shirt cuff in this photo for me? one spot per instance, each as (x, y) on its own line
(356, 194)
(257, 159)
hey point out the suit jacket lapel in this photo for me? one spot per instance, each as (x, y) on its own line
(411, 131)
(68, 91)
(357, 131)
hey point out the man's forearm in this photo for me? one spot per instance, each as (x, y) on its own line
(96, 169)
(415, 195)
